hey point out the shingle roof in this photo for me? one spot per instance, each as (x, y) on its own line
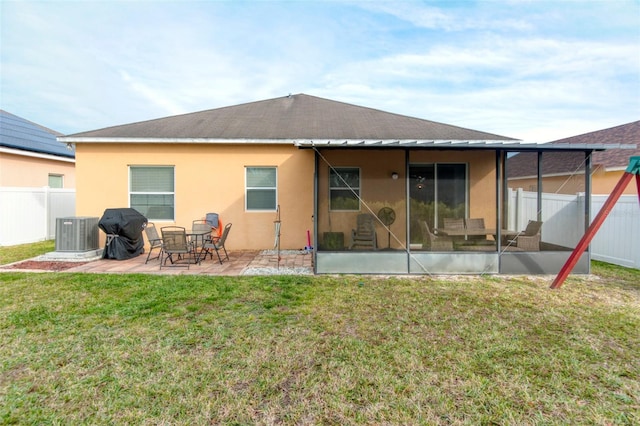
(624, 134)
(570, 162)
(21, 134)
(291, 117)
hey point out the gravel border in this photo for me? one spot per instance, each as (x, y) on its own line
(276, 271)
(271, 270)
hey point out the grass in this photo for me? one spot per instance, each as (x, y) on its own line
(16, 253)
(183, 350)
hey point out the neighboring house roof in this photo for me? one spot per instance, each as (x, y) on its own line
(610, 158)
(620, 143)
(16, 133)
(289, 118)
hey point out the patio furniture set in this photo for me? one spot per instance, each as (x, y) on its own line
(177, 246)
(456, 234)
(471, 234)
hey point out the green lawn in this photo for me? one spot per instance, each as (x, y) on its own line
(12, 254)
(185, 350)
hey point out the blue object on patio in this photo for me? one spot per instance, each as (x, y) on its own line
(212, 219)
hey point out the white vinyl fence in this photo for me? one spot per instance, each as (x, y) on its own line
(28, 215)
(617, 241)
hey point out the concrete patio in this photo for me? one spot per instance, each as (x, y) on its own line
(240, 263)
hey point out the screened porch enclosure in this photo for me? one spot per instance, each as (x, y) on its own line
(405, 211)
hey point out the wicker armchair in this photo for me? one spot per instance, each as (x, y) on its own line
(529, 239)
(475, 223)
(435, 242)
(365, 233)
(451, 223)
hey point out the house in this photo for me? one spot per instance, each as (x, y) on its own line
(318, 166)
(30, 155)
(563, 173)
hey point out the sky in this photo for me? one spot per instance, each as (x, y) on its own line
(528, 69)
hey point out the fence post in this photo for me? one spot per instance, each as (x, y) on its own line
(582, 225)
(519, 208)
(47, 204)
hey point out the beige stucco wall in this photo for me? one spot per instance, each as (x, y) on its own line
(30, 171)
(601, 183)
(208, 178)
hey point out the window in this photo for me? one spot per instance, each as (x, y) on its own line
(151, 191)
(261, 188)
(344, 188)
(56, 181)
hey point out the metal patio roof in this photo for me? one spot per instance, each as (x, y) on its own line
(458, 144)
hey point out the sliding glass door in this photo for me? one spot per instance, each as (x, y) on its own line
(436, 191)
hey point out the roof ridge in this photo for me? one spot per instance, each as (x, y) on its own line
(595, 132)
(291, 117)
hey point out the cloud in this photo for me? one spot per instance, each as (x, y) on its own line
(510, 68)
(502, 81)
(447, 17)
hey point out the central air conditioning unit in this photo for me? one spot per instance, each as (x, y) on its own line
(76, 233)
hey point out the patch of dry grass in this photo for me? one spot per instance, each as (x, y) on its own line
(118, 349)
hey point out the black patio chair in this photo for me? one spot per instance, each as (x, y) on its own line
(175, 247)
(218, 244)
(155, 242)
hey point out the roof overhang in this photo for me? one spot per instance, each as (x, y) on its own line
(213, 141)
(34, 154)
(509, 145)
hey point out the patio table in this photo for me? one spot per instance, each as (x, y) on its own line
(470, 232)
(194, 236)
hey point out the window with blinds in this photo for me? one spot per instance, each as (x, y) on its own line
(151, 191)
(260, 188)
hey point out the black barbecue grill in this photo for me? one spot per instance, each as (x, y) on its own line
(124, 233)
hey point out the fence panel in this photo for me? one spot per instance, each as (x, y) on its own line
(558, 214)
(562, 219)
(28, 214)
(617, 241)
(62, 203)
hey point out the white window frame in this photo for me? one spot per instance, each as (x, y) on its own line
(343, 188)
(173, 193)
(247, 188)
